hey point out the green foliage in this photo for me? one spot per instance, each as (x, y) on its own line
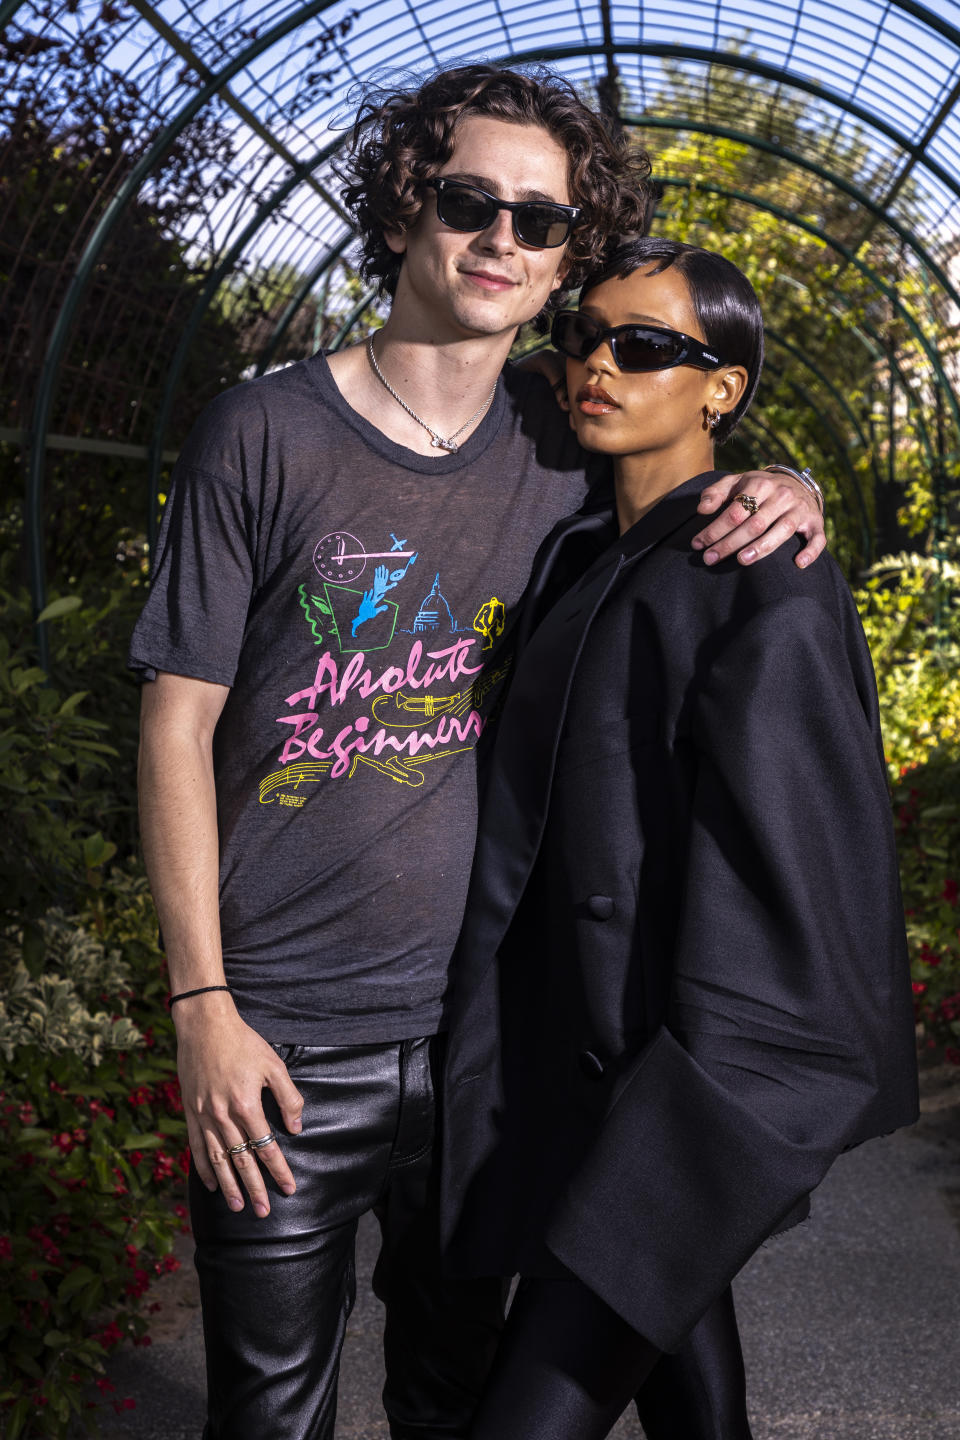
(67, 753)
(92, 1154)
(92, 1140)
(911, 616)
(848, 387)
(911, 612)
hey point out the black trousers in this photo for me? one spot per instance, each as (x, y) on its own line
(276, 1293)
(568, 1367)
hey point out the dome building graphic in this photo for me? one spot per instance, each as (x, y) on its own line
(434, 612)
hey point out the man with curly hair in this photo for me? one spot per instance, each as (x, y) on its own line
(317, 689)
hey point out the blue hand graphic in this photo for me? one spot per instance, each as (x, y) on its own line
(370, 604)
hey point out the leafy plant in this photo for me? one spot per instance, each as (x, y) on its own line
(911, 614)
(92, 1154)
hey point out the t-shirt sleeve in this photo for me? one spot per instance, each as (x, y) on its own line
(193, 620)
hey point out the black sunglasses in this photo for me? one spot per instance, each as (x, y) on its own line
(540, 223)
(634, 347)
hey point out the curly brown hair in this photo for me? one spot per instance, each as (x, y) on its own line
(401, 138)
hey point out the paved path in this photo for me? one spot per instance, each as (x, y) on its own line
(851, 1323)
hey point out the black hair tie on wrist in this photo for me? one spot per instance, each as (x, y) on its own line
(201, 990)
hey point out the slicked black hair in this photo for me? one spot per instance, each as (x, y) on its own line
(724, 302)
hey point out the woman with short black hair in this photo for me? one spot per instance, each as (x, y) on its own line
(682, 987)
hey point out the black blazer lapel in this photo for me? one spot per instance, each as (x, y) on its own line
(528, 732)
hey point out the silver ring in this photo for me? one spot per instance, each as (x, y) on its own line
(238, 1149)
(259, 1144)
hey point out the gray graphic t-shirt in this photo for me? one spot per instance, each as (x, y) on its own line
(357, 598)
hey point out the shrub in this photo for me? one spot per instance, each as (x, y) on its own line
(92, 1138)
(910, 611)
(92, 1155)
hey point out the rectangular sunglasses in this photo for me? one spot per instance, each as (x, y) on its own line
(540, 223)
(634, 347)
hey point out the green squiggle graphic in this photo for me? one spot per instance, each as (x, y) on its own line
(305, 604)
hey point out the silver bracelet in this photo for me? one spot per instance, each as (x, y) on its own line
(806, 480)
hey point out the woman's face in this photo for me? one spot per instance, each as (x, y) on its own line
(622, 413)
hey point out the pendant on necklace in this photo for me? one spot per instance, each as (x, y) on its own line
(439, 443)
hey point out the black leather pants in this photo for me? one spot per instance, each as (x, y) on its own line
(277, 1292)
(569, 1366)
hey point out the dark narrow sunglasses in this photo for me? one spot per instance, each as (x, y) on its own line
(535, 222)
(634, 347)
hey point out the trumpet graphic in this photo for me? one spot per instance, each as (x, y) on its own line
(388, 709)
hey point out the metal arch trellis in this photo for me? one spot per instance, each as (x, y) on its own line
(802, 162)
(929, 350)
(555, 54)
(39, 419)
(202, 303)
(912, 151)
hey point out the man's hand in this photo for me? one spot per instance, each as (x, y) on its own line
(784, 508)
(224, 1066)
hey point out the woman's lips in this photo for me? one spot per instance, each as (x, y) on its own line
(594, 400)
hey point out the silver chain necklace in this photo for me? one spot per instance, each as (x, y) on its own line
(436, 440)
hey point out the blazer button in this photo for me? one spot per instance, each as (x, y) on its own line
(600, 906)
(591, 1065)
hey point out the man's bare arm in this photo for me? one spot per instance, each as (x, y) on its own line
(223, 1063)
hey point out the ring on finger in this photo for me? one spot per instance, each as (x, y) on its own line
(238, 1149)
(259, 1144)
(750, 503)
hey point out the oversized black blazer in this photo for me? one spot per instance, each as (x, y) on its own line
(682, 985)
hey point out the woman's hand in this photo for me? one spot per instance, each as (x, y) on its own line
(784, 508)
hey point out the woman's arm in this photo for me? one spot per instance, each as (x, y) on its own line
(790, 1031)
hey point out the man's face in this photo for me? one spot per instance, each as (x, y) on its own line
(486, 282)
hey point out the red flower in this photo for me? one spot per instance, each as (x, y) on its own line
(950, 1008)
(6, 1248)
(162, 1166)
(139, 1285)
(180, 1211)
(918, 987)
(950, 891)
(110, 1335)
(127, 1403)
(64, 1142)
(135, 1157)
(104, 1385)
(952, 1054)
